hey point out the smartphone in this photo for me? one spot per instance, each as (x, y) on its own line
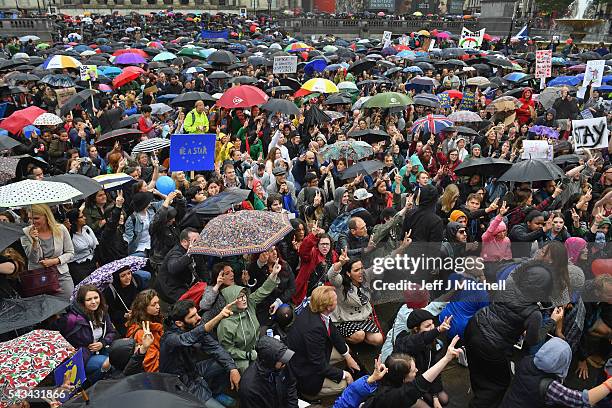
(392, 173)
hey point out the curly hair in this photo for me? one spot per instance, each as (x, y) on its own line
(138, 310)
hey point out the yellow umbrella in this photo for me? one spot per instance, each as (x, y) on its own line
(321, 85)
(424, 32)
(417, 14)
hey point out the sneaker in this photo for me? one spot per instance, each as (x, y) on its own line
(225, 400)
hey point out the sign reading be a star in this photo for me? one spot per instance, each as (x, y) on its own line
(192, 152)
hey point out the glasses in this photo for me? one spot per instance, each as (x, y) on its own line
(324, 244)
(242, 298)
(462, 231)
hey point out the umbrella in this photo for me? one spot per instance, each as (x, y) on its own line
(8, 143)
(61, 62)
(87, 186)
(28, 192)
(190, 98)
(429, 101)
(114, 181)
(242, 96)
(548, 96)
(361, 65)
(127, 75)
(388, 100)
(243, 79)
(364, 168)
(27, 38)
(478, 81)
(21, 118)
(315, 116)
(103, 276)
(334, 115)
(338, 99)
(466, 131)
(283, 106)
(129, 121)
(320, 85)
(28, 359)
(16, 166)
(9, 233)
(222, 57)
(22, 77)
(160, 108)
(347, 86)
(566, 159)
(151, 145)
(215, 205)
(370, 136)
(16, 314)
(499, 62)
(164, 56)
(48, 119)
(354, 150)
(533, 170)
(317, 65)
(504, 104)
(110, 137)
(465, 116)
(129, 59)
(76, 99)
(487, 166)
(242, 232)
(437, 123)
(145, 398)
(219, 75)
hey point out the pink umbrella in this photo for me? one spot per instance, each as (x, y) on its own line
(577, 68)
(105, 88)
(443, 35)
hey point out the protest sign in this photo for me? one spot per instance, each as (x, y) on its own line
(75, 366)
(211, 34)
(536, 149)
(593, 74)
(386, 39)
(63, 94)
(590, 133)
(243, 12)
(88, 72)
(192, 152)
(285, 65)
(471, 39)
(543, 64)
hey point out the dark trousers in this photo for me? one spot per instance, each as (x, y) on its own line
(79, 271)
(212, 380)
(490, 373)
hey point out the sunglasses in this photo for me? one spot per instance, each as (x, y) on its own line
(462, 231)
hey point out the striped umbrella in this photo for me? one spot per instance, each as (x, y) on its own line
(61, 62)
(437, 123)
(298, 47)
(320, 85)
(114, 181)
(48, 119)
(151, 145)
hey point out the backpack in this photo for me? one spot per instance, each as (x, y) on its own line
(505, 270)
(195, 293)
(340, 224)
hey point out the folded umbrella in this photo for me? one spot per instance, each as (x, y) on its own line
(16, 314)
(87, 186)
(367, 167)
(533, 170)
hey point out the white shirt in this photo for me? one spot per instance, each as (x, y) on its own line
(145, 239)
(84, 244)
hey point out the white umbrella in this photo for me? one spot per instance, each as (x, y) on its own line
(160, 108)
(151, 145)
(357, 105)
(48, 119)
(27, 38)
(74, 37)
(21, 55)
(348, 85)
(29, 192)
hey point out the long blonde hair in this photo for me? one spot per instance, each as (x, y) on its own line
(43, 209)
(449, 197)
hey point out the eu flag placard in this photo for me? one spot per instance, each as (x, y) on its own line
(192, 152)
(75, 366)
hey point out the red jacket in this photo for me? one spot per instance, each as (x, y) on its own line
(310, 257)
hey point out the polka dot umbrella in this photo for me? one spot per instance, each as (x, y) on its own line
(242, 232)
(29, 192)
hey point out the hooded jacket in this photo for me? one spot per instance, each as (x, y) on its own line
(543, 121)
(422, 346)
(425, 224)
(494, 249)
(523, 113)
(239, 332)
(334, 208)
(76, 327)
(310, 257)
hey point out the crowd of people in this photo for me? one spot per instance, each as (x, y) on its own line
(394, 150)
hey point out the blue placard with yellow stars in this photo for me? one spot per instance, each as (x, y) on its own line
(192, 152)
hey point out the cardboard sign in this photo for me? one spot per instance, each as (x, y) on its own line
(537, 149)
(88, 72)
(75, 366)
(593, 74)
(590, 133)
(471, 39)
(543, 64)
(63, 94)
(285, 65)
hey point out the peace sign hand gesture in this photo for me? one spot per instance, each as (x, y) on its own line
(147, 336)
(503, 209)
(407, 240)
(343, 258)
(446, 324)
(379, 371)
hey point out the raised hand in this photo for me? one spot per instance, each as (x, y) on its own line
(227, 310)
(379, 371)
(453, 352)
(503, 209)
(120, 200)
(446, 324)
(343, 258)
(407, 240)
(147, 337)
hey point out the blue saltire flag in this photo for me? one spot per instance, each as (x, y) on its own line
(209, 34)
(192, 152)
(523, 34)
(76, 367)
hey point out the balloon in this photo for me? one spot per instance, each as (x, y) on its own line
(165, 185)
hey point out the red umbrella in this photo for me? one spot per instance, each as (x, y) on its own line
(131, 51)
(20, 119)
(129, 74)
(242, 96)
(454, 94)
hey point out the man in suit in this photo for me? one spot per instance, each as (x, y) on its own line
(318, 346)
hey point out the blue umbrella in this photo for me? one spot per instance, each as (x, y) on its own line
(110, 72)
(515, 76)
(106, 48)
(406, 54)
(313, 66)
(332, 67)
(565, 80)
(604, 88)
(606, 79)
(28, 130)
(237, 48)
(436, 122)
(413, 69)
(166, 97)
(80, 48)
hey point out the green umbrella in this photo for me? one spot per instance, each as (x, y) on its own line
(192, 52)
(43, 46)
(388, 100)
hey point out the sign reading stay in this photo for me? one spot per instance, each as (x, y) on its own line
(590, 133)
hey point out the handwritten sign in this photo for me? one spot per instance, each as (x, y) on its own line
(590, 133)
(76, 369)
(593, 74)
(537, 149)
(471, 39)
(88, 72)
(543, 64)
(285, 65)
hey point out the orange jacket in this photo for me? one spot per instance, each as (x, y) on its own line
(151, 360)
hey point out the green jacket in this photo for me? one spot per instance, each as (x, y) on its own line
(194, 120)
(239, 332)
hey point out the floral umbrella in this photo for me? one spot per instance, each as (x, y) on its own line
(48, 119)
(242, 232)
(355, 150)
(465, 116)
(27, 360)
(103, 276)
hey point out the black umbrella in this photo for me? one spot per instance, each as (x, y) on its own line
(192, 97)
(219, 75)
(487, 166)
(566, 159)
(109, 138)
(284, 106)
(77, 99)
(244, 80)
(110, 119)
(7, 142)
(338, 99)
(16, 314)
(9, 233)
(369, 136)
(364, 168)
(499, 62)
(533, 170)
(85, 185)
(315, 116)
(25, 77)
(214, 206)
(424, 101)
(222, 57)
(280, 90)
(361, 65)
(466, 131)
(291, 83)
(129, 121)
